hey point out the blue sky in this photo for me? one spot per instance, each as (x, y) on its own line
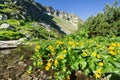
(82, 8)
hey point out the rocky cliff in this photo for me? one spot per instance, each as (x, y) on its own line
(28, 18)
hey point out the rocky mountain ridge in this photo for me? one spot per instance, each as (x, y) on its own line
(23, 11)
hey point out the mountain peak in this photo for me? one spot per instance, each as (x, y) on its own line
(45, 16)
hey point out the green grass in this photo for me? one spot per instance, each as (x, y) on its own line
(7, 10)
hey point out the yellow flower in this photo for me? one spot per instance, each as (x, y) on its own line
(111, 48)
(118, 51)
(113, 35)
(113, 44)
(39, 56)
(55, 62)
(39, 63)
(59, 42)
(37, 48)
(81, 44)
(70, 42)
(118, 45)
(112, 52)
(94, 54)
(98, 56)
(61, 57)
(51, 48)
(50, 60)
(29, 71)
(49, 64)
(97, 75)
(101, 64)
(48, 54)
(47, 68)
(53, 53)
(98, 71)
(84, 54)
(68, 77)
(64, 51)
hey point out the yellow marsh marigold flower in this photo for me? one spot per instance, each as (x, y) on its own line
(61, 57)
(68, 77)
(112, 52)
(53, 53)
(94, 54)
(101, 64)
(111, 48)
(47, 68)
(118, 45)
(98, 71)
(84, 54)
(98, 56)
(113, 44)
(50, 60)
(51, 48)
(113, 35)
(97, 75)
(55, 62)
(37, 48)
(39, 56)
(64, 51)
(39, 63)
(29, 71)
(81, 44)
(71, 43)
(49, 64)
(48, 54)
(59, 42)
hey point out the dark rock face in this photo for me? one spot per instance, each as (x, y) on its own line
(35, 10)
(28, 10)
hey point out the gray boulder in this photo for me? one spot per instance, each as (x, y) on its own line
(5, 25)
(3, 17)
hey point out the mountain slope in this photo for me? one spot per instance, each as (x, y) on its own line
(30, 19)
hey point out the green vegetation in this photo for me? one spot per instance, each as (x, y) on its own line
(96, 57)
(94, 49)
(104, 24)
(24, 25)
(13, 22)
(10, 35)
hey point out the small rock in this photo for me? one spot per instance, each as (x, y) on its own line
(25, 77)
(22, 64)
(5, 25)
(80, 76)
(1, 17)
(22, 39)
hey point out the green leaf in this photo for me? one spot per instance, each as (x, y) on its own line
(30, 68)
(34, 63)
(92, 65)
(114, 63)
(63, 61)
(74, 66)
(68, 72)
(116, 70)
(83, 64)
(86, 71)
